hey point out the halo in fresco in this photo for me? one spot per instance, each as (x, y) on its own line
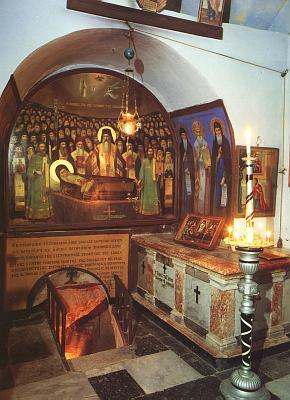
(53, 177)
(100, 131)
(212, 122)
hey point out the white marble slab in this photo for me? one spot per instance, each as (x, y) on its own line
(104, 362)
(197, 312)
(165, 284)
(160, 371)
(280, 387)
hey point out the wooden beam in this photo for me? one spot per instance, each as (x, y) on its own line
(105, 9)
(227, 11)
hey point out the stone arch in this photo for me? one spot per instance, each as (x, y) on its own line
(174, 82)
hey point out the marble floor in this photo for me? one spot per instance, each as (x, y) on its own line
(159, 365)
(167, 367)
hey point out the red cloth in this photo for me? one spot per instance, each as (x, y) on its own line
(80, 300)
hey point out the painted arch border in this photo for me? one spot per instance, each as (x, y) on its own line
(207, 107)
(5, 135)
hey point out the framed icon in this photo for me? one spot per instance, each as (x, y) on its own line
(200, 231)
(211, 12)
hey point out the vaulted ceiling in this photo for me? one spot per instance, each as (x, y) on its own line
(273, 15)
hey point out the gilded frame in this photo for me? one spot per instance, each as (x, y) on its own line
(200, 231)
(264, 181)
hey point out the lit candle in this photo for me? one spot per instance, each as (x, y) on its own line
(268, 235)
(248, 142)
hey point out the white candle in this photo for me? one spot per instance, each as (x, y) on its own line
(268, 235)
(249, 198)
(248, 141)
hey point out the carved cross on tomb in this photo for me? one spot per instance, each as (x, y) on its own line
(164, 268)
(197, 293)
(164, 276)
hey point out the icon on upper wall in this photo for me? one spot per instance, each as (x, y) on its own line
(211, 12)
(152, 5)
(265, 174)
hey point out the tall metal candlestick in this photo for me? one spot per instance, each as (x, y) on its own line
(244, 383)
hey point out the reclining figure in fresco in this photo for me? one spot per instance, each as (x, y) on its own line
(93, 188)
(74, 185)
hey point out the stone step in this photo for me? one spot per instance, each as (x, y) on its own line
(32, 354)
(98, 363)
(31, 342)
(68, 386)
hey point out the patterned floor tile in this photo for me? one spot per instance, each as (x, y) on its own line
(202, 389)
(147, 327)
(175, 345)
(280, 387)
(199, 365)
(275, 366)
(160, 371)
(116, 386)
(148, 345)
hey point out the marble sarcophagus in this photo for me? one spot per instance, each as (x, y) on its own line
(196, 292)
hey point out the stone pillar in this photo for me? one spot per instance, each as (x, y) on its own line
(150, 259)
(222, 313)
(178, 311)
(286, 308)
(276, 328)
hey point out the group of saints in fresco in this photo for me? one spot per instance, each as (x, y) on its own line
(77, 150)
(206, 174)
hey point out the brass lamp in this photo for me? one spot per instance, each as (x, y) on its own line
(128, 123)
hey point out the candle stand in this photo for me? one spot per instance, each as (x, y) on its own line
(244, 383)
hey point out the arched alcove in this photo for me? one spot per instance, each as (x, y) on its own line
(103, 49)
(88, 100)
(173, 80)
(170, 79)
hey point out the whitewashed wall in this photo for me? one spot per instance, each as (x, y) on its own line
(243, 70)
(286, 189)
